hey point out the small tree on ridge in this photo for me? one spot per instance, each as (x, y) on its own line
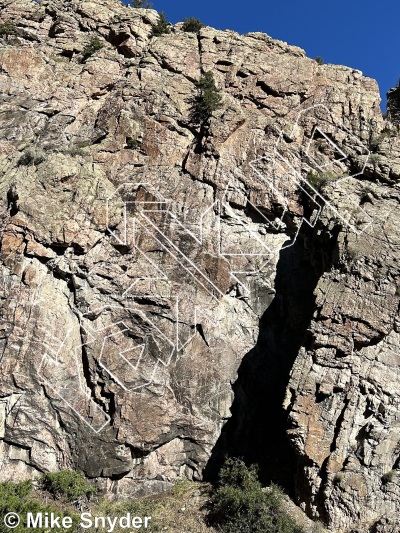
(141, 4)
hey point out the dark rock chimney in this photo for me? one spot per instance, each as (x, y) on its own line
(393, 105)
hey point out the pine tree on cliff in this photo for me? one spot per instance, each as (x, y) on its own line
(207, 100)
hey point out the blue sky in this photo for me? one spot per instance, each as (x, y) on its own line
(360, 34)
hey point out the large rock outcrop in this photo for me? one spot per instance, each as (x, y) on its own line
(139, 253)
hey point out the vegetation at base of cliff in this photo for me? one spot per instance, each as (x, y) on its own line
(141, 4)
(93, 46)
(180, 510)
(20, 498)
(67, 484)
(241, 505)
(192, 25)
(72, 492)
(162, 25)
(237, 504)
(207, 100)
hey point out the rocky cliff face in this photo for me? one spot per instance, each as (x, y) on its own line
(147, 266)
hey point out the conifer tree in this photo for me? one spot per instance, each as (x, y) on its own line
(162, 25)
(207, 100)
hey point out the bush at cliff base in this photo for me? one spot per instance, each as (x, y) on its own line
(241, 505)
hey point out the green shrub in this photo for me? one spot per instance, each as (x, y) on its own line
(389, 476)
(192, 25)
(339, 477)
(319, 60)
(141, 4)
(31, 156)
(162, 25)
(7, 29)
(67, 484)
(14, 491)
(14, 41)
(319, 179)
(207, 100)
(18, 498)
(374, 159)
(241, 505)
(93, 46)
(181, 486)
(133, 144)
(76, 149)
(376, 140)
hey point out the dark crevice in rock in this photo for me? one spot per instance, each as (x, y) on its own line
(373, 341)
(12, 200)
(27, 36)
(187, 126)
(339, 423)
(117, 40)
(108, 403)
(166, 66)
(201, 179)
(123, 249)
(200, 49)
(147, 300)
(59, 249)
(17, 444)
(67, 53)
(267, 89)
(59, 274)
(253, 100)
(200, 330)
(224, 62)
(323, 513)
(55, 30)
(201, 137)
(257, 428)
(100, 139)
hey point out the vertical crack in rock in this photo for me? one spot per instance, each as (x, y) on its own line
(257, 428)
(104, 399)
(199, 46)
